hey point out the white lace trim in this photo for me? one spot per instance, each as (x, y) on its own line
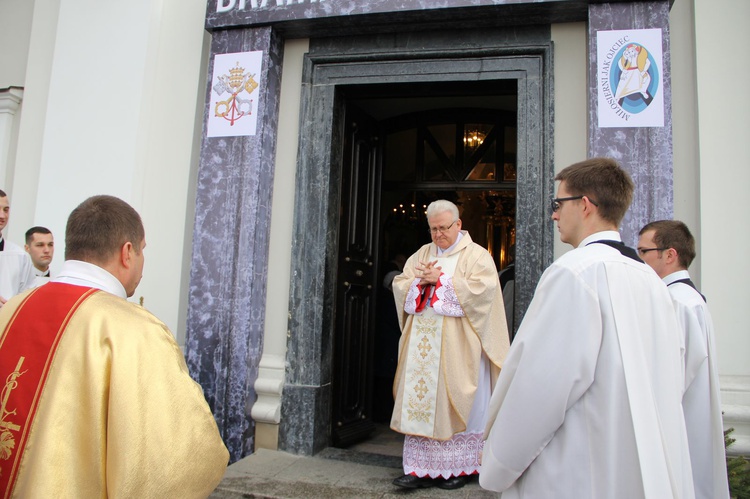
(447, 302)
(460, 455)
(410, 307)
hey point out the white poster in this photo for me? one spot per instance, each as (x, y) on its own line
(630, 84)
(234, 96)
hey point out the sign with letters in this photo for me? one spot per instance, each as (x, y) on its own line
(224, 13)
(630, 78)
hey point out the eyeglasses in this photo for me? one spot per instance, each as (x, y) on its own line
(643, 251)
(443, 230)
(556, 202)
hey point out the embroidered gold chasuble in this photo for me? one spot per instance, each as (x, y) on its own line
(117, 414)
(439, 356)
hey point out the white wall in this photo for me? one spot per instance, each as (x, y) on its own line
(15, 33)
(267, 410)
(724, 145)
(686, 160)
(571, 83)
(110, 108)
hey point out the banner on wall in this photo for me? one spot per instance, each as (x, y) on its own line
(234, 100)
(629, 82)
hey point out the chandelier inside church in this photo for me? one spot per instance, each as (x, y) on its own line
(473, 138)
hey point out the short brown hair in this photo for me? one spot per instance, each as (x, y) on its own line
(604, 182)
(98, 227)
(38, 229)
(673, 234)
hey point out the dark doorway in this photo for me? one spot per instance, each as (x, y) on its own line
(405, 146)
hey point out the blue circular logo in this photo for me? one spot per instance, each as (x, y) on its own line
(635, 78)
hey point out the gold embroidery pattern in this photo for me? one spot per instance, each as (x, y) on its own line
(419, 412)
(7, 441)
(420, 403)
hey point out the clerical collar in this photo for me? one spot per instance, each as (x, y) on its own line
(87, 274)
(41, 273)
(676, 276)
(609, 235)
(619, 246)
(441, 252)
(682, 277)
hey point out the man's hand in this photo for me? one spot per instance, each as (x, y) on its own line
(428, 273)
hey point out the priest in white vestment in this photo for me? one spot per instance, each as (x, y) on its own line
(588, 404)
(454, 339)
(669, 248)
(16, 269)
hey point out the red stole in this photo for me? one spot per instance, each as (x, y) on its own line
(27, 349)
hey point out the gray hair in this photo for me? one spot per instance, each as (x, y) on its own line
(440, 206)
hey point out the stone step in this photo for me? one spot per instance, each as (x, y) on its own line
(332, 473)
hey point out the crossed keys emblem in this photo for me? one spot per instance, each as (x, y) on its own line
(234, 84)
(7, 442)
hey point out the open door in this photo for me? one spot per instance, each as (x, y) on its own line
(356, 285)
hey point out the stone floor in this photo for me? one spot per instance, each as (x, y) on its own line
(362, 471)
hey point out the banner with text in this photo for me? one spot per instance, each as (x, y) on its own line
(629, 82)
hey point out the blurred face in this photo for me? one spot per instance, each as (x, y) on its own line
(136, 270)
(4, 211)
(649, 253)
(41, 249)
(568, 217)
(444, 229)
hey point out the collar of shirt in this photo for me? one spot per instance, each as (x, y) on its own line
(41, 273)
(676, 276)
(605, 235)
(441, 252)
(87, 274)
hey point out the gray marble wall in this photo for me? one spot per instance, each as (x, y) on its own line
(644, 152)
(230, 249)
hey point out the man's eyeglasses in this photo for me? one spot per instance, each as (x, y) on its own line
(556, 202)
(643, 251)
(443, 230)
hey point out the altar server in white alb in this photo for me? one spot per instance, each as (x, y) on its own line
(454, 339)
(589, 402)
(669, 248)
(16, 269)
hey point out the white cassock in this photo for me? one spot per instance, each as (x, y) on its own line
(588, 403)
(701, 401)
(16, 271)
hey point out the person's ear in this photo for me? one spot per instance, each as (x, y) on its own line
(587, 203)
(125, 254)
(672, 255)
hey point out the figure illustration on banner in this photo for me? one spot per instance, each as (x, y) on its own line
(634, 77)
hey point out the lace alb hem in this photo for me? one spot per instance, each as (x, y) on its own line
(435, 458)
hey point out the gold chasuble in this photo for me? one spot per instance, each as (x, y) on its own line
(97, 402)
(439, 355)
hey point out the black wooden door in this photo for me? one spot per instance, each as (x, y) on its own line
(356, 284)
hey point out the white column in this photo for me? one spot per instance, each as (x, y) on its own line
(272, 369)
(10, 102)
(723, 107)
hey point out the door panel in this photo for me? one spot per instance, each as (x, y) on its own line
(356, 287)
